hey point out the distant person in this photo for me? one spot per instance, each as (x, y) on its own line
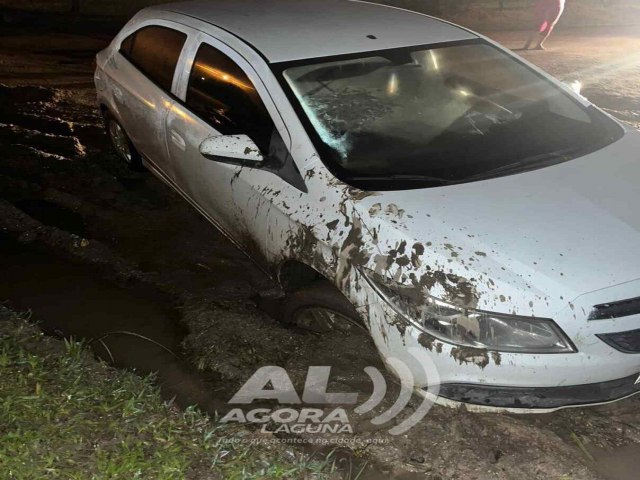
(548, 12)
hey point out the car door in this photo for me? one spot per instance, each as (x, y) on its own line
(144, 72)
(223, 96)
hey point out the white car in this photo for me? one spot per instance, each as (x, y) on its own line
(395, 170)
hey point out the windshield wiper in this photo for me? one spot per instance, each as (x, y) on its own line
(405, 178)
(529, 163)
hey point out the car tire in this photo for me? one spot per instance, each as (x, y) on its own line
(321, 308)
(121, 143)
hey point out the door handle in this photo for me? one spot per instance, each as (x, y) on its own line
(177, 140)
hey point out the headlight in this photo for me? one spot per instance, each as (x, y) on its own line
(469, 327)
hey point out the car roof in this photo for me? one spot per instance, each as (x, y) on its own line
(284, 30)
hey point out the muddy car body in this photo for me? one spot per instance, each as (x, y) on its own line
(509, 255)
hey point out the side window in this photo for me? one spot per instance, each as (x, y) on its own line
(155, 51)
(222, 95)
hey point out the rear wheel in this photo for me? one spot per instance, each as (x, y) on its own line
(121, 143)
(321, 308)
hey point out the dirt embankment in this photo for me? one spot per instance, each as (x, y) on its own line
(65, 194)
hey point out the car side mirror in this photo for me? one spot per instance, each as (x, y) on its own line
(239, 149)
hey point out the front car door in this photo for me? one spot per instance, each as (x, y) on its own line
(223, 95)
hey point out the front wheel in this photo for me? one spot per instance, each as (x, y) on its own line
(121, 143)
(321, 308)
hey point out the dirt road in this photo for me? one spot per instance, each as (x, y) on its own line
(96, 248)
(606, 60)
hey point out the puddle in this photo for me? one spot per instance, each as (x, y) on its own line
(132, 328)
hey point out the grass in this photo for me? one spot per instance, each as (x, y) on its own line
(65, 415)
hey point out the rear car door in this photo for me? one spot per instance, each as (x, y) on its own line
(144, 72)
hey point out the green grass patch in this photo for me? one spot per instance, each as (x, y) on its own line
(65, 415)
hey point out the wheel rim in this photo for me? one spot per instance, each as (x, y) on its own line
(324, 320)
(120, 140)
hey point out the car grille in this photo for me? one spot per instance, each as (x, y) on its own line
(626, 342)
(623, 308)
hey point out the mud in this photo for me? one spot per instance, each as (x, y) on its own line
(92, 247)
(133, 328)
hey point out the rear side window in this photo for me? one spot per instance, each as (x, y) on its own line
(155, 51)
(222, 95)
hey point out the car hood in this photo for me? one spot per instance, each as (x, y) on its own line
(529, 243)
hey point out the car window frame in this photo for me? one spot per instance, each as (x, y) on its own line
(182, 82)
(181, 86)
(157, 22)
(188, 75)
(195, 36)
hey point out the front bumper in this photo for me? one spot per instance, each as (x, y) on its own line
(541, 397)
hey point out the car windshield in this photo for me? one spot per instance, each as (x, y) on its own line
(409, 118)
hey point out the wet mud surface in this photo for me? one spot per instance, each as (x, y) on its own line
(100, 252)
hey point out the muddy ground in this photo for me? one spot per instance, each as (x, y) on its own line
(111, 255)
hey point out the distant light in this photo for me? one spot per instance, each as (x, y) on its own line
(464, 93)
(434, 60)
(576, 86)
(392, 85)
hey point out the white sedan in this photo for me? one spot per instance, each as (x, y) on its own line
(401, 173)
